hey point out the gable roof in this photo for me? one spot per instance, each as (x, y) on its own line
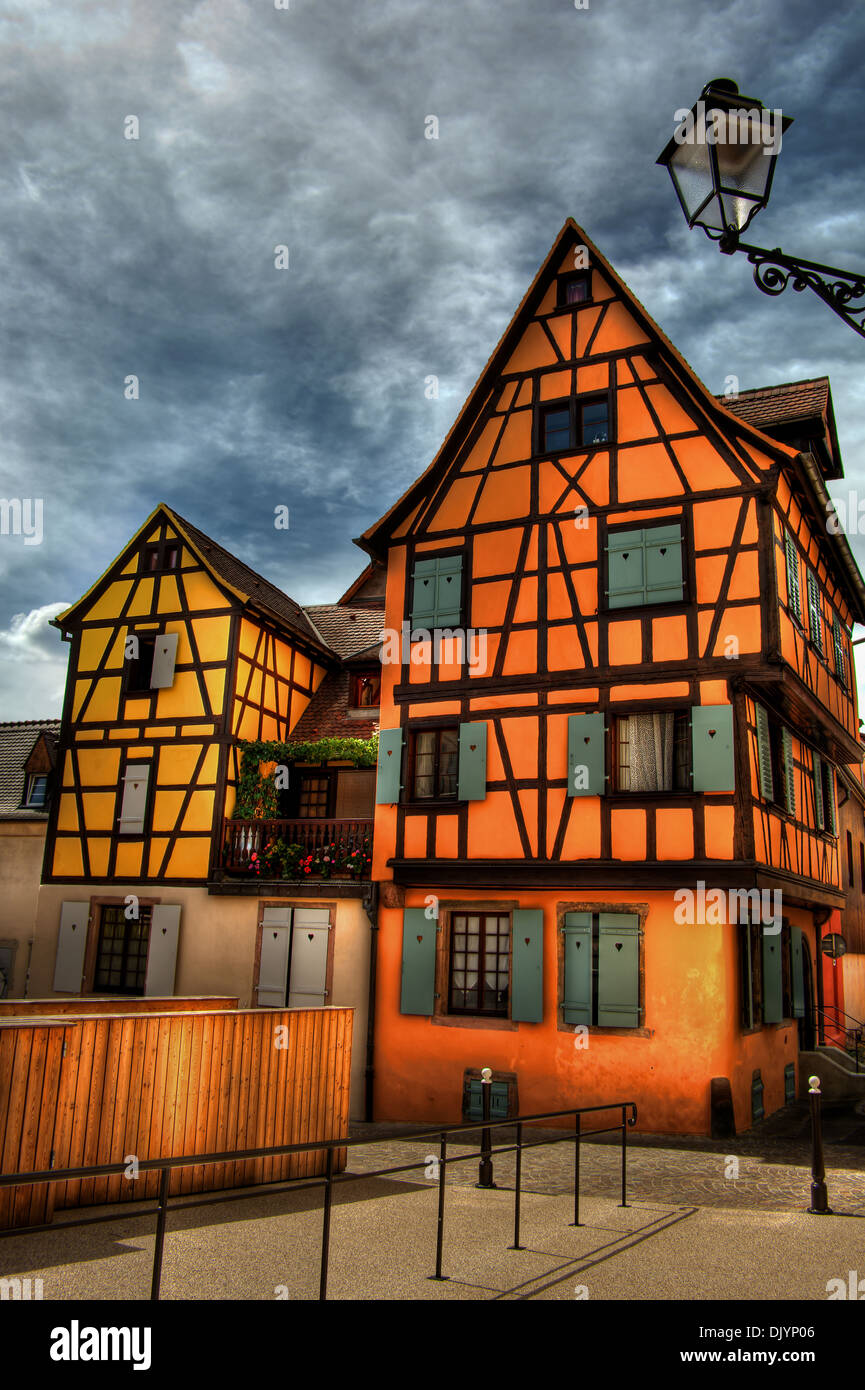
(17, 739)
(327, 714)
(348, 630)
(788, 410)
(376, 538)
(231, 573)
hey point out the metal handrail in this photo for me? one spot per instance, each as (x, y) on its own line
(857, 1032)
(165, 1165)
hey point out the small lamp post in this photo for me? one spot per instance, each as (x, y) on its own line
(721, 160)
(485, 1167)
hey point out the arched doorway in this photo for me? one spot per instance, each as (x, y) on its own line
(807, 1033)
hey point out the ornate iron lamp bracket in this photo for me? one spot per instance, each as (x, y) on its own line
(774, 271)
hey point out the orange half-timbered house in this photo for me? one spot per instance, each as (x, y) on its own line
(180, 656)
(617, 680)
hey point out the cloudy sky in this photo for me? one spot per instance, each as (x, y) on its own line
(305, 127)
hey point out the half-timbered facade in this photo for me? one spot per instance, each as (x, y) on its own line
(181, 658)
(617, 680)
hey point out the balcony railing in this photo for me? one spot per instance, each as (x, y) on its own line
(324, 848)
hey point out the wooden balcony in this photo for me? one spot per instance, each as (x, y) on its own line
(297, 849)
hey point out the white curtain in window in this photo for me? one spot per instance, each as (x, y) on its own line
(651, 752)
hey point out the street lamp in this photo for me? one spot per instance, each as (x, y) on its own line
(721, 160)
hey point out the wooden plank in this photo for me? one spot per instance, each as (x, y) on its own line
(9, 1043)
(29, 1123)
(93, 1109)
(41, 1206)
(69, 1194)
(207, 1144)
(115, 1004)
(165, 1141)
(258, 1129)
(238, 1139)
(197, 1100)
(157, 1108)
(183, 1097)
(124, 1038)
(107, 1105)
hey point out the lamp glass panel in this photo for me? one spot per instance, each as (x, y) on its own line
(691, 170)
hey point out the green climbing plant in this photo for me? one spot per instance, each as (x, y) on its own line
(257, 790)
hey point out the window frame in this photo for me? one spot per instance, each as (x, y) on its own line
(682, 719)
(27, 801)
(323, 774)
(640, 910)
(357, 679)
(449, 553)
(437, 799)
(158, 550)
(466, 911)
(571, 277)
(133, 665)
(662, 605)
(574, 405)
(104, 906)
(812, 585)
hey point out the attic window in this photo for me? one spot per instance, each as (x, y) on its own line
(575, 289)
(36, 791)
(164, 556)
(365, 689)
(573, 424)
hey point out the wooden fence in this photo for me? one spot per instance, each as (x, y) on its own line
(81, 1091)
(115, 1004)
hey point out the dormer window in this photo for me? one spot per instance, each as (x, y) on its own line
(36, 791)
(365, 689)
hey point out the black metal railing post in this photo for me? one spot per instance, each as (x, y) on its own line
(325, 1227)
(485, 1167)
(624, 1201)
(819, 1196)
(440, 1229)
(517, 1187)
(577, 1141)
(159, 1243)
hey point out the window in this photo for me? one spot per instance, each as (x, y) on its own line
(365, 689)
(435, 761)
(601, 984)
(861, 866)
(314, 799)
(573, 424)
(121, 954)
(36, 791)
(794, 591)
(437, 591)
(139, 669)
(824, 795)
(164, 556)
(652, 752)
(815, 618)
(839, 648)
(575, 289)
(480, 964)
(645, 566)
(775, 761)
(851, 877)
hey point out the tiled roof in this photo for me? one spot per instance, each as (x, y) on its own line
(775, 405)
(240, 576)
(16, 744)
(347, 629)
(327, 716)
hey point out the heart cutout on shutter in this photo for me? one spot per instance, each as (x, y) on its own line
(311, 936)
(164, 930)
(473, 746)
(712, 733)
(663, 550)
(618, 945)
(626, 554)
(389, 752)
(586, 740)
(578, 944)
(528, 941)
(275, 935)
(420, 938)
(447, 579)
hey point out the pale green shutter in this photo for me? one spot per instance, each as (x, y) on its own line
(577, 1003)
(789, 771)
(662, 547)
(424, 593)
(472, 762)
(626, 569)
(449, 579)
(586, 760)
(797, 972)
(418, 962)
(618, 970)
(794, 591)
(527, 996)
(829, 798)
(712, 748)
(764, 755)
(815, 620)
(771, 977)
(388, 779)
(819, 814)
(838, 641)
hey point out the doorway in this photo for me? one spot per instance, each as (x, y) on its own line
(807, 1034)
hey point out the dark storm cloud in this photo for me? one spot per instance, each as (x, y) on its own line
(262, 127)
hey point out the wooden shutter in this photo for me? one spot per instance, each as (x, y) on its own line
(418, 962)
(829, 800)
(747, 974)
(764, 755)
(71, 947)
(772, 1008)
(663, 560)
(310, 932)
(797, 972)
(789, 770)
(273, 960)
(794, 591)
(586, 749)
(424, 593)
(815, 620)
(162, 950)
(475, 1100)
(819, 815)
(449, 591)
(712, 748)
(838, 643)
(577, 1003)
(472, 784)
(164, 658)
(527, 983)
(619, 969)
(625, 569)
(388, 782)
(134, 804)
